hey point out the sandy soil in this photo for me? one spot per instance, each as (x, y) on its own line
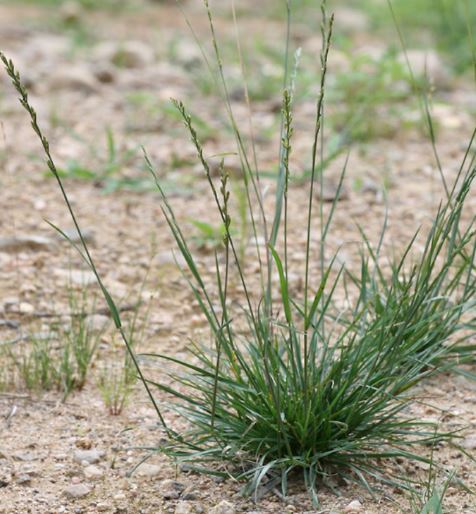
(79, 93)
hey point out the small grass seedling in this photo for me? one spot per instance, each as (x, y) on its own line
(59, 359)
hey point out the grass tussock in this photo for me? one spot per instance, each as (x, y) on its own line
(60, 359)
(307, 386)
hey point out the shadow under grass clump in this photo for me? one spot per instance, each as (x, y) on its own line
(307, 387)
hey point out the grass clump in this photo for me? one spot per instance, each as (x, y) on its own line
(371, 98)
(303, 382)
(59, 359)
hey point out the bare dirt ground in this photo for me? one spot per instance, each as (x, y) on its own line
(84, 81)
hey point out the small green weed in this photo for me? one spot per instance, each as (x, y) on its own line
(208, 237)
(369, 98)
(431, 498)
(108, 176)
(57, 360)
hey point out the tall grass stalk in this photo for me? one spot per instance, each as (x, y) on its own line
(299, 384)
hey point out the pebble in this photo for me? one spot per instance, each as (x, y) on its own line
(189, 494)
(183, 507)
(89, 456)
(187, 53)
(149, 470)
(26, 242)
(77, 277)
(78, 78)
(354, 506)
(223, 507)
(103, 507)
(93, 472)
(77, 491)
(171, 489)
(105, 73)
(25, 456)
(469, 442)
(24, 479)
(8, 323)
(20, 308)
(72, 234)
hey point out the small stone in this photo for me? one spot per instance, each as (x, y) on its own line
(170, 489)
(26, 242)
(189, 495)
(223, 507)
(469, 442)
(103, 507)
(77, 491)
(187, 53)
(149, 470)
(73, 236)
(24, 479)
(21, 308)
(93, 472)
(84, 444)
(119, 496)
(183, 507)
(77, 277)
(105, 73)
(171, 495)
(8, 323)
(89, 456)
(25, 456)
(354, 506)
(78, 78)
